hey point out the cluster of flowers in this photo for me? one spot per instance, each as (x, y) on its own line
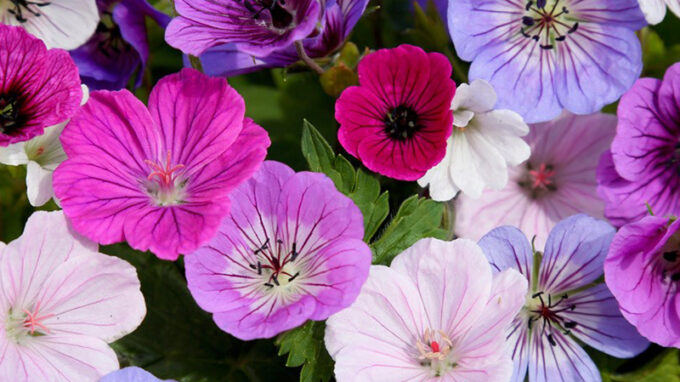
(268, 248)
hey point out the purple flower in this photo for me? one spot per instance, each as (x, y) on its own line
(643, 167)
(130, 374)
(563, 303)
(119, 46)
(438, 313)
(290, 251)
(39, 88)
(338, 20)
(643, 270)
(441, 6)
(160, 177)
(542, 57)
(257, 27)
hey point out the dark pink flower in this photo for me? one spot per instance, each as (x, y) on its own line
(398, 119)
(39, 88)
(160, 177)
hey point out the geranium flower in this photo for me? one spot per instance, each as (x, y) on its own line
(556, 182)
(257, 27)
(643, 166)
(655, 10)
(61, 303)
(329, 34)
(63, 24)
(160, 177)
(545, 56)
(41, 155)
(484, 141)
(131, 374)
(398, 119)
(290, 251)
(563, 304)
(436, 314)
(38, 87)
(642, 270)
(120, 46)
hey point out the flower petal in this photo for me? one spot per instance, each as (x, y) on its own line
(508, 248)
(38, 184)
(478, 97)
(566, 361)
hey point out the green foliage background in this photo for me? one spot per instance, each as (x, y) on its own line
(178, 340)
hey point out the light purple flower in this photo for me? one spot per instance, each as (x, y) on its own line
(257, 27)
(563, 304)
(643, 270)
(329, 34)
(119, 46)
(556, 182)
(643, 167)
(131, 374)
(160, 177)
(290, 251)
(545, 56)
(62, 302)
(39, 88)
(436, 314)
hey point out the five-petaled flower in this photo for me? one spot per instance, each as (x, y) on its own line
(160, 177)
(562, 302)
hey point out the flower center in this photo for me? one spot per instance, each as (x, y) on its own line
(538, 181)
(111, 42)
(434, 350)
(276, 263)
(401, 123)
(165, 186)
(24, 323)
(549, 314)
(281, 18)
(25, 8)
(547, 25)
(667, 263)
(9, 114)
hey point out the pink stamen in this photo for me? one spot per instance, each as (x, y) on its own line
(33, 320)
(166, 175)
(542, 176)
(435, 346)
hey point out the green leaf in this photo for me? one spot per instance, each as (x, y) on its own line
(417, 218)
(663, 368)
(178, 340)
(305, 347)
(362, 188)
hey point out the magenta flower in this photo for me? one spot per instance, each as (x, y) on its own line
(39, 88)
(643, 270)
(556, 182)
(436, 314)
(160, 177)
(62, 302)
(565, 302)
(290, 251)
(257, 27)
(398, 119)
(643, 166)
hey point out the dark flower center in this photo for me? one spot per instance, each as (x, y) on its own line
(22, 6)
(548, 314)
(538, 181)
(275, 263)
(281, 18)
(401, 123)
(9, 114)
(667, 263)
(547, 25)
(111, 42)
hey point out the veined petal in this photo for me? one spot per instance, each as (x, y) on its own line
(566, 361)
(508, 248)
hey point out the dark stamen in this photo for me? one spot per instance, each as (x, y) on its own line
(670, 256)
(294, 277)
(551, 340)
(401, 123)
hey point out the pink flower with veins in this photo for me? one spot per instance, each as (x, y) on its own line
(62, 302)
(557, 181)
(437, 314)
(158, 178)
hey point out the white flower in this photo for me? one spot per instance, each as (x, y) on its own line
(63, 24)
(483, 143)
(41, 155)
(655, 10)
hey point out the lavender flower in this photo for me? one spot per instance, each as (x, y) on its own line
(119, 46)
(545, 56)
(563, 304)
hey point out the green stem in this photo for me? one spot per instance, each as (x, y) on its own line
(306, 59)
(459, 72)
